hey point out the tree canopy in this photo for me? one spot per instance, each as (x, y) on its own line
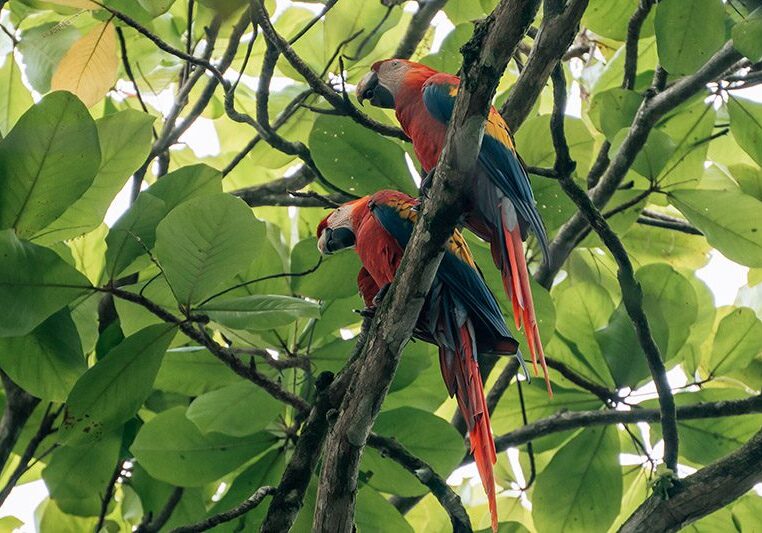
(192, 362)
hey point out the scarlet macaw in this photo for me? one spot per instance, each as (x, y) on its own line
(502, 206)
(460, 314)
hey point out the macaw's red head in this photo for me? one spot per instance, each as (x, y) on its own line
(387, 78)
(337, 231)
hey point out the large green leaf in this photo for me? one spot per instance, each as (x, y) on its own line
(125, 140)
(746, 126)
(203, 243)
(135, 231)
(48, 361)
(335, 278)
(534, 143)
(747, 35)
(237, 410)
(192, 371)
(690, 128)
(729, 219)
(613, 110)
(15, 97)
(259, 311)
(737, 342)
(688, 32)
(47, 161)
(610, 19)
(42, 47)
(76, 476)
(171, 448)
(424, 435)
(581, 488)
(34, 283)
(653, 157)
(749, 179)
(357, 160)
(111, 392)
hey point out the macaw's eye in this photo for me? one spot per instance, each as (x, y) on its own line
(368, 93)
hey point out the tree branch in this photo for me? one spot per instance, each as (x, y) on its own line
(658, 220)
(567, 420)
(701, 493)
(449, 501)
(556, 33)
(631, 45)
(653, 108)
(313, 80)
(248, 504)
(18, 408)
(418, 27)
(152, 526)
(485, 59)
(632, 294)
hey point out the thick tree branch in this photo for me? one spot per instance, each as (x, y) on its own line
(632, 294)
(701, 493)
(556, 33)
(248, 504)
(18, 408)
(425, 474)
(419, 25)
(653, 108)
(289, 495)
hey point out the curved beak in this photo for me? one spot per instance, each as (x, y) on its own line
(333, 240)
(371, 89)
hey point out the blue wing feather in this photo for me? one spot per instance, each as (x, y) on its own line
(459, 277)
(500, 162)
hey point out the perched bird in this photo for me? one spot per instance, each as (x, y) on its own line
(501, 207)
(460, 314)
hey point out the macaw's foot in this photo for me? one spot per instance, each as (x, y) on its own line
(379, 297)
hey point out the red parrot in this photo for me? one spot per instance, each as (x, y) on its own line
(502, 207)
(460, 314)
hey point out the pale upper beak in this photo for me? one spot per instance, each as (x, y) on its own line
(371, 89)
(333, 240)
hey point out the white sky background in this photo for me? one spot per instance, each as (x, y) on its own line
(724, 277)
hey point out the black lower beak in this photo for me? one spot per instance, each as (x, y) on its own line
(338, 239)
(378, 95)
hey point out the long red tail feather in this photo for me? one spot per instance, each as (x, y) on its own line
(473, 406)
(516, 282)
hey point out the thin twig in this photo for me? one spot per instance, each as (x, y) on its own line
(248, 504)
(150, 525)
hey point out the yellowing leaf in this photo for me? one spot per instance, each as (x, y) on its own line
(89, 67)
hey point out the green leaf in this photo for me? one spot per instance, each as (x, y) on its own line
(237, 410)
(52, 518)
(424, 435)
(536, 148)
(48, 361)
(34, 283)
(651, 159)
(192, 371)
(111, 392)
(746, 126)
(581, 310)
(690, 129)
(15, 97)
(581, 488)
(609, 19)
(357, 160)
(747, 35)
(46, 162)
(737, 341)
(460, 11)
(335, 278)
(77, 476)
(729, 219)
(258, 312)
(373, 509)
(654, 245)
(136, 228)
(125, 140)
(613, 110)
(171, 448)
(42, 47)
(205, 242)
(688, 32)
(749, 179)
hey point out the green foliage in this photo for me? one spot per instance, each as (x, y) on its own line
(132, 386)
